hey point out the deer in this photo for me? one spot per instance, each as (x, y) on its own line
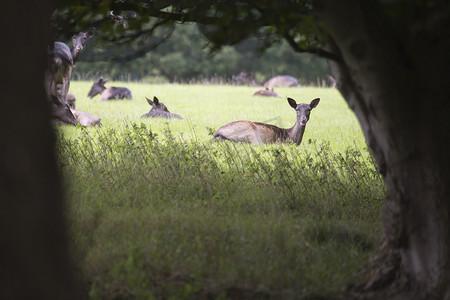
(110, 93)
(71, 100)
(266, 92)
(79, 41)
(281, 80)
(245, 78)
(259, 133)
(61, 60)
(159, 110)
(84, 118)
(63, 114)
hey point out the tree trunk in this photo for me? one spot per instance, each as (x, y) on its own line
(396, 82)
(35, 263)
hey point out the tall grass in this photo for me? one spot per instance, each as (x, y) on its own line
(159, 214)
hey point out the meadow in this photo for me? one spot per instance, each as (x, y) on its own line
(157, 210)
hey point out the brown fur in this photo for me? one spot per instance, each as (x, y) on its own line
(84, 118)
(259, 133)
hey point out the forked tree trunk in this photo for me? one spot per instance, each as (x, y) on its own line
(34, 260)
(397, 84)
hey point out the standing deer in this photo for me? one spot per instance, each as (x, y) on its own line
(159, 110)
(281, 80)
(78, 42)
(61, 60)
(258, 133)
(109, 93)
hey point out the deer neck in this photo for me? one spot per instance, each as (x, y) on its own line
(75, 54)
(295, 133)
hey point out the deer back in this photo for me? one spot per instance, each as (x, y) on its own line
(114, 93)
(281, 80)
(84, 118)
(250, 132)
(266, 92)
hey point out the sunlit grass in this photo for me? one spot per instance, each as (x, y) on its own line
(158, 210)
(211, 106)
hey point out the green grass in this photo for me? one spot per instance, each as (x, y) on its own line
(159, 211)
(212, 106)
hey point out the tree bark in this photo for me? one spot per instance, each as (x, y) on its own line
(35, 261)
(395, 82)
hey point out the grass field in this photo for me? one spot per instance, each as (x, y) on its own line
(159, 211)
(212, 106)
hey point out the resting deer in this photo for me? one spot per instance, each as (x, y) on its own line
(258, 133)
(159, 110)
(266, 92)
(63, 114)
(84, 118)
(245, 78)
(281, 80)
(61, 60)
(108, 93)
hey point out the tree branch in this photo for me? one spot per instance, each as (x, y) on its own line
(144, 49)
(134, 35)
(317, 51)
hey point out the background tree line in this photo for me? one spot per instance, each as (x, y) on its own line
(185, 57)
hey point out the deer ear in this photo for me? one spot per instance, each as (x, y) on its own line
(314, 103)
(149, 101)
(292, 102)
(156, 100)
